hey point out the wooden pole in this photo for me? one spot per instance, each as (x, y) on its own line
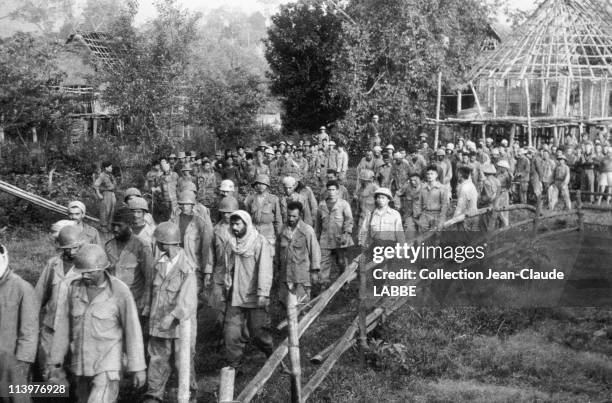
(34, 135)
(184, 360)
(529, 139)
(226, 385)
(94, 128)
(476, 99)
(555, 136)
(483, 130)
(294, 348)
(438, 102)
(603, 98)
(579, 208)
(512, 133)
(458, 101)
(363, 331)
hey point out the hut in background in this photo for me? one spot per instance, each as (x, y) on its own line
(551, 77)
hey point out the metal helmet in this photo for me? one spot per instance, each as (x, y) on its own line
(226, 186)
(138, 203)
(186, 197)
(228, 205)
(91, 258)
(263, 179)
(167, 233)
(70, 237)
(384, 192)
(440, 152)
(129, 192)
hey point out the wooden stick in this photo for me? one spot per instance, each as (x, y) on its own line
(529, 139)
(259, 380)
(184, 360)
(226, 385)
(476, 99)
(363, 342)
(294, 348)
(301, 309)
(438, 101)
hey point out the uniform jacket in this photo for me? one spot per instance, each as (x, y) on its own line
(100, 331)
(297, 254)
(52, 287)
(434, 198)
(105, 182)
(90, 234)
(196, 243)
(330, 225)
(408, 197)
(19, 309)
(249, 267)
(133, 265)
(266, 214)
(221, 236)
(168, 183)
(342, 164)
(172, 293)
(365, 197)
(306, 214)
(382, 225)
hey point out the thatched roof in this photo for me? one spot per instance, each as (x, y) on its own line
(562, 38)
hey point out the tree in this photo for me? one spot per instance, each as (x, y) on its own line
(148, 83)
(229, 106)
(302, 43)
(27, 74)
(391, 55)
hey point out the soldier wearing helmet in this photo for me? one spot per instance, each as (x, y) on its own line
(227, 188)
(292, 195)
(186, 180)
(173, 297)
(19, 331)
(382, 226)
(134, 193)
(364, 194)
(196, 233)
(168, 184)
(140, 227)
(104, 187)
(100, 326)
(405, 199)
(52, 286)
(264, 209)
(130, 257)
(207, 184)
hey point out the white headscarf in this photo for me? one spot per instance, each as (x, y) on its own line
(4, 260)
(244, 246)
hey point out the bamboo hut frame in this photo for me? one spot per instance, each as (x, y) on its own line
(553, 72)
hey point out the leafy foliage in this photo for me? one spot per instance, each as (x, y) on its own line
(392, 53)
(302, 42)
(27, 74)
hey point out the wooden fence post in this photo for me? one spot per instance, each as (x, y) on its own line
(580, 212)
(226, 385)
(184, 360)
(536, 219)
(294, 347)
(363, 331)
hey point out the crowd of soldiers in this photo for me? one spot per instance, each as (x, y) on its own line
(98, 304)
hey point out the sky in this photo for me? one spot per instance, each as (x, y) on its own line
(147, 9)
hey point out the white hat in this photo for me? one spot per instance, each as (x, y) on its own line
(377, 148)
(390, 146)
(226, 186)
(450, 146)
(77, 204)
